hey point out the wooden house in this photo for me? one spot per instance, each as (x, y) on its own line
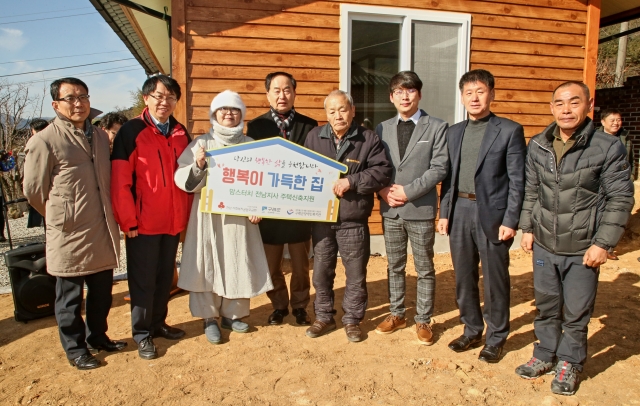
(208, 46)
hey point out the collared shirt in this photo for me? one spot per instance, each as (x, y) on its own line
(560, 146)
(413, 118)
(160, 125)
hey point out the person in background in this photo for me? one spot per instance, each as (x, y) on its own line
(36, 125)
(223, 262)
(34, 219)
(611, 120)
(368, 172)
(111, 123)
(67, 168)
(150, 209)
(282, 120)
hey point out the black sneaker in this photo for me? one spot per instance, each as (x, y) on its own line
(147, 349)
(535, 368)
(566, 380)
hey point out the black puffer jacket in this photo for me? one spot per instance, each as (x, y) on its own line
(586, 199)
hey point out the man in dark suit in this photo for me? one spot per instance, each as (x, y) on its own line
(479, 209)
(284, 121)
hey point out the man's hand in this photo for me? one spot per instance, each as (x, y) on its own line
(595, 256)
(132, 233)
(505, 233)
(384, 194)
(443, 226)
(255, 219)
(527, 242)
(341, 186)
(397, 193)
(201, 158)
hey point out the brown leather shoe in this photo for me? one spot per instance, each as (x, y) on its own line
(354, 334)
(425, 335)
(320, 328)
(391, 324)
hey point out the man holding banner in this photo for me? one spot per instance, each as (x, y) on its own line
(283, 120)
(369, 171)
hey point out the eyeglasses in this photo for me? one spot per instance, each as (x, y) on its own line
(400, 92)
(168, 99)
(73, 99)
(232, 110)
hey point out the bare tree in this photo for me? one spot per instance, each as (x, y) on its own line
(17, 107)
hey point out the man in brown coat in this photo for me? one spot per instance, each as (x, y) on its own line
(67, 175)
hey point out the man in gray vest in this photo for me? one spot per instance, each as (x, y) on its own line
(416, 145)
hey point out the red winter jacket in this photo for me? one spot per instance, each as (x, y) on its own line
(144, 196)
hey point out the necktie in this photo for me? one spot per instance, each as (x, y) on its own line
(164, 128)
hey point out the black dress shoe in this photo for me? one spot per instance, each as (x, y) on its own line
(277, 317)
(147, 349)
(168, 332)
(490, 354)
(84, 362)
(463, 343)
(302, 318)
(108, 346)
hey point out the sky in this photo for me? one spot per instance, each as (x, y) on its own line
(81, 37)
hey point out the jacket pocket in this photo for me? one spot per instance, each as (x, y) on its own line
(60, 213)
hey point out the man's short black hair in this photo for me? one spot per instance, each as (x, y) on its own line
(109, 119)
(38, 124)
(407, 80)
(57, 84)
(584, 87)
(607, 112)
(478, 75)
(170, 83)
(269, 78)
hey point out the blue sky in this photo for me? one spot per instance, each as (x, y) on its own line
(33, 41)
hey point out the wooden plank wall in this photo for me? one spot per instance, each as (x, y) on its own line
(531, 46)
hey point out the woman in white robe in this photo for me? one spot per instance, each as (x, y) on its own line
(223, 261)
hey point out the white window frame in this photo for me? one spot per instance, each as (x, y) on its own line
(404, 16)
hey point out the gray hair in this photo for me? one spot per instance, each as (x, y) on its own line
(338, 92)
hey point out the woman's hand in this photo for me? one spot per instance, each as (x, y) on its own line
(201, 158)
(254, 219)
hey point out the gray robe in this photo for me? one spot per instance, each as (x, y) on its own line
(221, 254)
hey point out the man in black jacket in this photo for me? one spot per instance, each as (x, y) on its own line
(480, 208)
(369, 171)
(284, 121)
(578, 199)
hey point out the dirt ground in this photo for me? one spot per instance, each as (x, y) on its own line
(279, 365)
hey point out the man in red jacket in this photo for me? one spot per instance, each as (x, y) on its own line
(150, 208)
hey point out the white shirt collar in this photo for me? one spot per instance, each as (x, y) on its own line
(156, 121)
(414, 117)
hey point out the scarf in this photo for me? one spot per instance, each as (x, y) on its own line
(227, 135)
(283, 122)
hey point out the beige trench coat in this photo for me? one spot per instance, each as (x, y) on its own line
(67, 181)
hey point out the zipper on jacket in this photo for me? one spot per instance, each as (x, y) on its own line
(162, 167)
(556, 192)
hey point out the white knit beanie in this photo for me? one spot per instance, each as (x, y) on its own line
(227, 98)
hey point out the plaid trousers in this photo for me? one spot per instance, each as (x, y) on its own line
(421, 234)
